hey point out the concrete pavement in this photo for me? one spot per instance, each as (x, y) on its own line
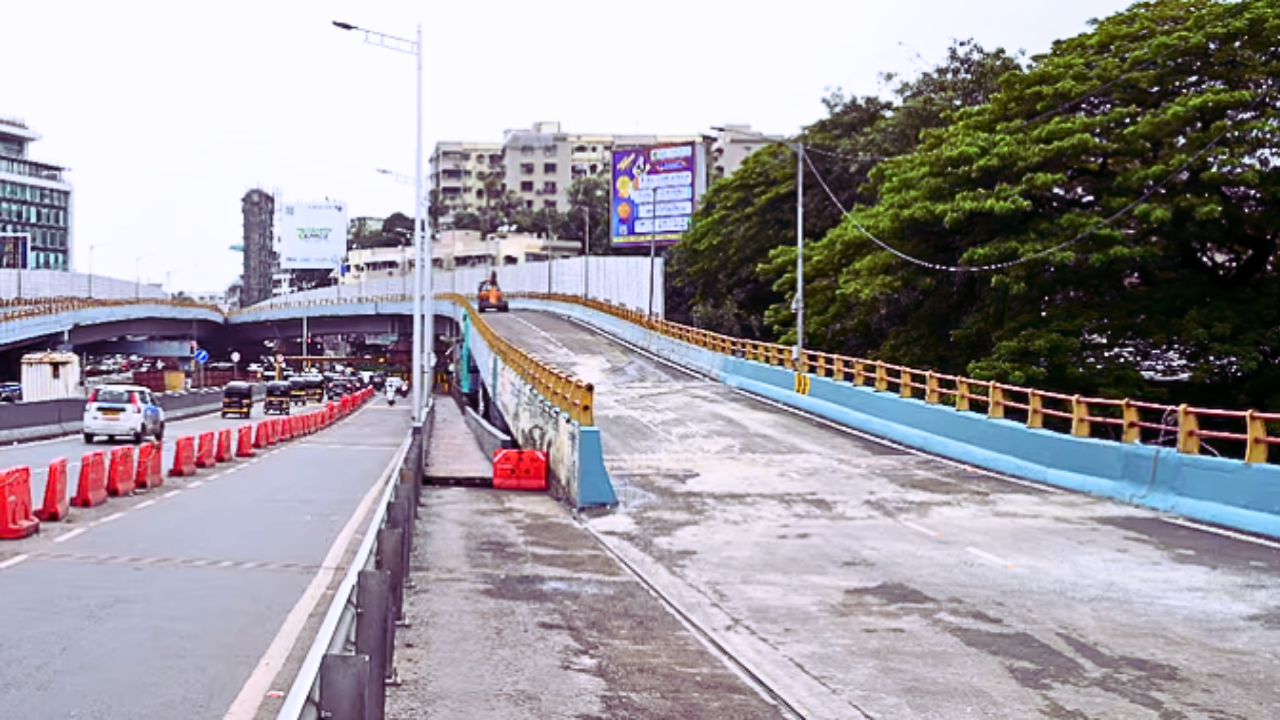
(864, 580)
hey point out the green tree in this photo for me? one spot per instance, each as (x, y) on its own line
(1130, 175)
(588, 198)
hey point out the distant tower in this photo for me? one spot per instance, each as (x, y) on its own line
(259, 259)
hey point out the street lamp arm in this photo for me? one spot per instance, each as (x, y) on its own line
(382, 40)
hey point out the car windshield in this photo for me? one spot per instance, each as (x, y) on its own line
(112, 396)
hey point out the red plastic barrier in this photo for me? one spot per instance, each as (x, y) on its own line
(223, 453)
(204, 455)
(91, 490)
(16, 518)
(273, 431)
(147, 474)
(244, 441)
(184, 457)
(519, 470)
(262, 434)
(120, 472)
(55, 493)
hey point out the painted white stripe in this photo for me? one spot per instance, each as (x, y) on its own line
(921, 529)
(110, 518)
(146, 503)
(245, 706)
(989, 557)
(13, 561)
(214, 476)
(1221, 531)
(171, 493)
(74, 533)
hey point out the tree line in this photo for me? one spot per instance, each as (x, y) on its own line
(1100, 219)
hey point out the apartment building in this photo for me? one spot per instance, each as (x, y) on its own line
(462, 174)
(35, 204)
(731, 146)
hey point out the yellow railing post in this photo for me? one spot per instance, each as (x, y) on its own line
(1132, 430)
(931, 394)
(859, 372)
(1035, 409)
(882, 377)
(905, 383)
(837, 372)
(1257, 449)
(995, 401)
(1079, 417)
(962, 394)
(1188, 427)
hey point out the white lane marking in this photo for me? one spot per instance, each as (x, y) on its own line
(540, 331)
(13, 561)
(215, 476)
(1221, 531)
(74, 533)
(921, 529)
(195, 483)
(171, 493)
(989, 557)
(245, 706)
(110, 518)
(144, 504)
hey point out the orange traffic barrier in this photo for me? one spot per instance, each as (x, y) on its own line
(519, 470)
(120, 472)
(273, 431)
(184, 457)
(55, 493)
(148, 474)
(16, 518)
(223, 453)
(204, 455)
(244, 441)
(262, 434)
(91, 490)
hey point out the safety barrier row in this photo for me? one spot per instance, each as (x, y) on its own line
(128, 469)
(1185, 427)
(572, 395)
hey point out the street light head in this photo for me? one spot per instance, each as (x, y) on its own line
(344, 26)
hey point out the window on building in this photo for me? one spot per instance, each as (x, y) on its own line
(579, 148)
(479, 159)
(550, 150)
(526, 186)
(549, 168)
(480, 194)
(548, 188)
(526, 149)
(549, 204)
(594, 168)
(528, 204)
(526, 168)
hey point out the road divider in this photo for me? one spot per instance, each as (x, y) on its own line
(91, 491)
(16, 519)
(120, 472)
(223, 453)
(244, 441)
(55, 505)
(148, 473)
(205, 455)
(184, 457)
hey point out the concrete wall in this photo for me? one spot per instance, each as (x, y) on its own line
(57, 283)
(1215, 490)
(54, 418)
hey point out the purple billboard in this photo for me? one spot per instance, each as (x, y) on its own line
(655, 190)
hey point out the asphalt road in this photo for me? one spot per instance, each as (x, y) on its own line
(864, 580)
(160, 605)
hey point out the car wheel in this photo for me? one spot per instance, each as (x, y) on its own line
(88, 438)
(159, 434)
(137, 437)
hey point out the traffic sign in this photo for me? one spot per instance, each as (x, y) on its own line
(202, 356)
(235, 356)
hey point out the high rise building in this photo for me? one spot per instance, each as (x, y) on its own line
(35, 204)
(258, 209)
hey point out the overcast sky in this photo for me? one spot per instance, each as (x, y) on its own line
(167, 112)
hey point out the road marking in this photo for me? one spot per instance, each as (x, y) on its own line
(110, 518)
(1221, 531)
(74, 533)
(195, 483)
(541, 332)
(171, 493)
(13, 561)
(921, 528)
(245, 706)
(146, 503)
(215, 476)
(989, 557)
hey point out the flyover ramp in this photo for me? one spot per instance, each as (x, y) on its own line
(861, 579)
(162, 605)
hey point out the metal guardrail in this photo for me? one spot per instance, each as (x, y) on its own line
(344, 671)
(53, 306)
(1130, 421)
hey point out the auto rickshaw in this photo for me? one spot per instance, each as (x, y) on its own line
(315, 387)
(237, 399)
(297, 390)
(277, 398)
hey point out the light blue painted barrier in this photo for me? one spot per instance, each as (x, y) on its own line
(1224, 492)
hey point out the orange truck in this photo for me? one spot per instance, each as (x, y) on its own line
(489, 296)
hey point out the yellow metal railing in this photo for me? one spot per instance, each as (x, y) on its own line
(1132, 421)
(20, 309)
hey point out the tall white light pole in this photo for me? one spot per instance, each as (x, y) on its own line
(422, 254)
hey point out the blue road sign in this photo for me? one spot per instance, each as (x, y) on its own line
(202, 356)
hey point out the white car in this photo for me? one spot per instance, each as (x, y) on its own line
(122, 411)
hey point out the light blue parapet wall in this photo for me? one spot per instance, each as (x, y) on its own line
(1224, 492)
(574, 455)
(36, 326)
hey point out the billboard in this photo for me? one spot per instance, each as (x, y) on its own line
(655, 190)
(312, 236)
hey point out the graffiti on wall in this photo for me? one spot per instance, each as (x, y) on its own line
(539, 425)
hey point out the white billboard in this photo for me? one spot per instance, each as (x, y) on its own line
(312, 235)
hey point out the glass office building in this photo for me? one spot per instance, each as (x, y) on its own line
(35, 204)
